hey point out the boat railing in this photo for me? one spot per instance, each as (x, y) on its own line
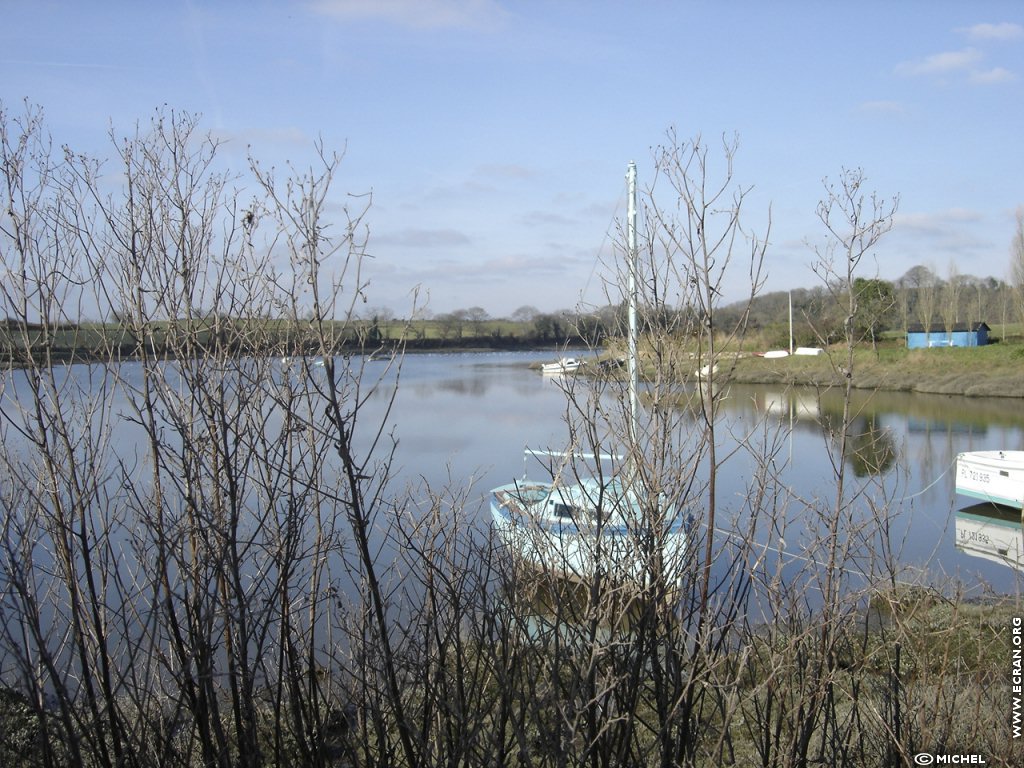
(541, 453)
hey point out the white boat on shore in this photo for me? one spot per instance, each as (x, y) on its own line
(705, 372)
(993, 476)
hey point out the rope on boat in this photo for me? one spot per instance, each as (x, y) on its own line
(931, 484)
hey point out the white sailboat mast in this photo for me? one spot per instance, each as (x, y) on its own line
(631, 342)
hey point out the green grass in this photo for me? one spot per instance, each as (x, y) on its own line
(996, 370)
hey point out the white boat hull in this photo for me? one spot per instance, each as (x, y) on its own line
(565, 365)
(993, 476)
(581, 552)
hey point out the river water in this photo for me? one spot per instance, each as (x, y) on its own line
(466, 418)
(463, 420)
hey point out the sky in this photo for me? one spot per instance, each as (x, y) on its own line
(494, 135)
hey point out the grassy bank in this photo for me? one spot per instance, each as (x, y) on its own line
(992, 371)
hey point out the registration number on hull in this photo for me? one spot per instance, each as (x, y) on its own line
(975, 475)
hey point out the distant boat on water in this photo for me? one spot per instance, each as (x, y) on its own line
(563, 365)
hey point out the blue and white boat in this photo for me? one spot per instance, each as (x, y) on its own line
(579, 526)
(589, 526)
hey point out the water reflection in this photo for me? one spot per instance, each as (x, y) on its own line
(544, 608)
(903, 446)
(921, 412)
(992, 533)
(464, 419)
(886, 424)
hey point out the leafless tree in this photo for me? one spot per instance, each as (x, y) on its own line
(951, 291)
(186, 619)
(525, 314)
(1017, 262)
(927, 297)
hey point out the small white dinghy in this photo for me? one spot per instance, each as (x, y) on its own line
(993, 476)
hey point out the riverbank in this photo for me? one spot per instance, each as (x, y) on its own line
(992, 371)
(996, 370)
(901, 679)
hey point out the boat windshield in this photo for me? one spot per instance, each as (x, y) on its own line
(574, 513)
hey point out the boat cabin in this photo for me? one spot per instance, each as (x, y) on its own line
(584, 503)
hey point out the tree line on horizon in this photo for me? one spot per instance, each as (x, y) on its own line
(918, 297)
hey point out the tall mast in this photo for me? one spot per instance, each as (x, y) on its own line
(631, 342)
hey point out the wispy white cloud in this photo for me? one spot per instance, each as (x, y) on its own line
(1003, 31)
(957, 233)
(290, 137)
(941, 63)
(936, 222)
(423, 14)
(547, 218)
(966, 64)
(994, 75)
(494, 268)
(423, 238)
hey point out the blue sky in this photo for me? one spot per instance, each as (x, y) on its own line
(494, 135)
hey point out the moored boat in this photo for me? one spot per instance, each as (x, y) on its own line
(993, 476)
(598, 525)
(580, 526)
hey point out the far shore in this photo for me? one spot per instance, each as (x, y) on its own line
(993, 371)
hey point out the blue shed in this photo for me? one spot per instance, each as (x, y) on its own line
(936, 335)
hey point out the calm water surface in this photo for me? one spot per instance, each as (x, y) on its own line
(468, 417)
(463, 419)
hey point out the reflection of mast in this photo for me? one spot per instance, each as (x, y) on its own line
(791, 322)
